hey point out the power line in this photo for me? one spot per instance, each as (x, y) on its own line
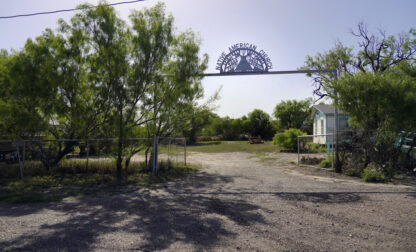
(65, 10)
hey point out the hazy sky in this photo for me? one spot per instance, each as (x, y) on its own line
(286, 30)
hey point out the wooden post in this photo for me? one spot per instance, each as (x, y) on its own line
(24, 156)
(88, 152)
(298, 149)
(20, 161)
(184, 151)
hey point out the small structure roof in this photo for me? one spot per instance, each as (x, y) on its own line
(327, 109)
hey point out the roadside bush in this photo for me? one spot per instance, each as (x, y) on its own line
(326, 163)
(372, 174)
(311, 160)
(311, 147)
(288, 140)
(31, 168)
(204, 138)
(67, 166)
(381, 149)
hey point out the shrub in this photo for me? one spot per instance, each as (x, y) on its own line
(326, 163)
(311, 160)
(31, 168)
(372, 174)
(204, 138)
(311, 147)
(288, 139)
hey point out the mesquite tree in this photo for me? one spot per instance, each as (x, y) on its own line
(376, 86)
(97, 76)
(376, 53)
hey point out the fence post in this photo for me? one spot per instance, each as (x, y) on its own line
(176, 152)
(170, 140)
(298, 150)
(184, 151)
(88, 152)
(24, 156)
(155, 159)
(332, 152)
(20, 162)
(157, 154)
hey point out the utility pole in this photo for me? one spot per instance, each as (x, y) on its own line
(337, 168)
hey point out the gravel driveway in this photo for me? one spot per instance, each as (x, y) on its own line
(235, 203)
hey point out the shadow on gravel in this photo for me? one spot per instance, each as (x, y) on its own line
(147, 221)
(314, 197)
(321, 197)
(412, 194)
(18, 210)
(333, 197)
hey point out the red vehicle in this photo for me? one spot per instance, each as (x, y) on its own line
(255, 140)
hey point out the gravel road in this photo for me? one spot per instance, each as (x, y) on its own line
(236, 202)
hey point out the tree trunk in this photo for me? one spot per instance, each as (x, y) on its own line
(145, 162)
(120, 142)
(127, 162)
(152, 154)
(409, 154)
(69, 147)
(49, 161)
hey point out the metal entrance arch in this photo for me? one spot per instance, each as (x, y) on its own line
(244, 59)
(333, 71)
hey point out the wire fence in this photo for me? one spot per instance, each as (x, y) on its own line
(395, 149)
(19, 158)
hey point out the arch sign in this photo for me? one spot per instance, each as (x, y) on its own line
(244, 58)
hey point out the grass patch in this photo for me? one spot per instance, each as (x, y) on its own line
(232, 146)
(311, 160)
(263, 157)
(371, 174)
(326, 163)
(55, 186)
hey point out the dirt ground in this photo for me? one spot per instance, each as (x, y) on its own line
(236, 202)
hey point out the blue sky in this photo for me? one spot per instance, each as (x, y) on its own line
(286, 30)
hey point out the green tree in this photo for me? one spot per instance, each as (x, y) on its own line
(96, 76)
(199, 117)
(288, 139)
(47, 95)
(144, 75)
(294, 114)
(224, 128)
(376, 87)
(259, 124)
(383, 107)
(380, 100)
(376, 53)
(106, 49)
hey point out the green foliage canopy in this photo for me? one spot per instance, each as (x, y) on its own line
(376, 53)
(385, 100)
(294, 114)
(259, 124)
(98, 77)
(288, 139)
